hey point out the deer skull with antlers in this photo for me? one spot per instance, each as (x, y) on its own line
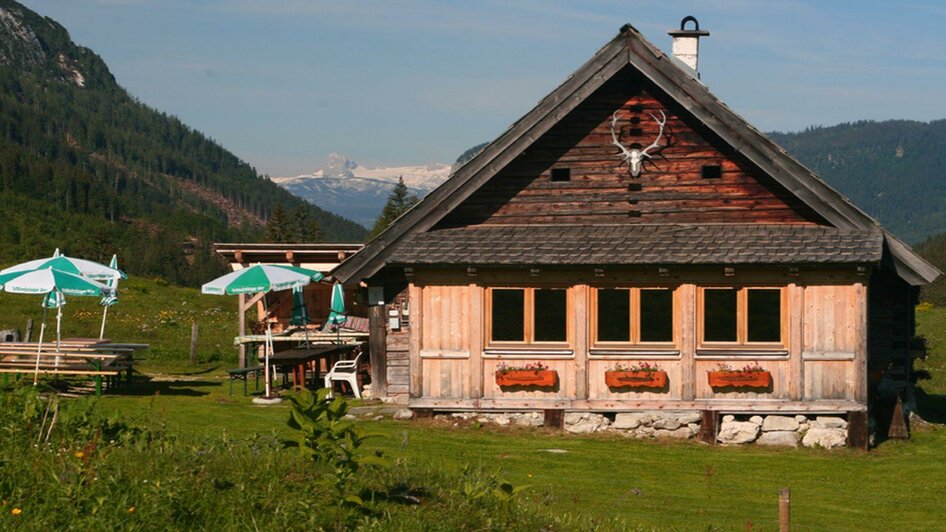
(635, 158)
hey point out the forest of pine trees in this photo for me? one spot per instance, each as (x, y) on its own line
(93, 171)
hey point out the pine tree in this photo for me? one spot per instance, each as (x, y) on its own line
(277, 229)
(305, 228)
(399, 201)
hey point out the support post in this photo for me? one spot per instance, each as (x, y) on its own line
(194, 343)
(709, 426)
(554, 418)
(857, 430)
(29, 330)
(784, 510)
(377, 347)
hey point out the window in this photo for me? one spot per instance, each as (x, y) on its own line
(561, 174)
(634, 315)
(742, 315)
(528, 315)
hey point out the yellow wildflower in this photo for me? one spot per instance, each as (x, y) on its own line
(79, 454)
(16, 511)
(131, 509)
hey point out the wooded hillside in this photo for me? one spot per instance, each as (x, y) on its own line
(86, 167)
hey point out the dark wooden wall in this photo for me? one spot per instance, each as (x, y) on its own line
(601, 189)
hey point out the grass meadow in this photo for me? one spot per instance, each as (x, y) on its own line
(174, 450)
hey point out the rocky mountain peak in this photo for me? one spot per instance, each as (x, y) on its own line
(339, 165)
(30, 42)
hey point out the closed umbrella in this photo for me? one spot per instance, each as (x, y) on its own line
(109, 299)
(300, 312)
(336, 315)
(262, 278)
(54, 284)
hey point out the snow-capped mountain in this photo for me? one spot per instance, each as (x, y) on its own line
(359, 193)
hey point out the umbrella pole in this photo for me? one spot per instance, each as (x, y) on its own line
(58, 332)
(102, 331)
(266, 349)
(39, 348)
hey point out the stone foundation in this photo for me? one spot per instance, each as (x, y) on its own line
(777, 430)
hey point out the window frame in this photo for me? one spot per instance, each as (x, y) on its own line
(528, 319)
(634, 330)
(742, 320)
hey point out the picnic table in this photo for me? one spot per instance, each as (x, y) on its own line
(95, 358)
(301, 357)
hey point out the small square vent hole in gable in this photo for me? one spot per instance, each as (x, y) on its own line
(712, 171)
(561, 175)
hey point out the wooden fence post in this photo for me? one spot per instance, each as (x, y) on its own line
(29, 330)
(784, 510)
(194, 343)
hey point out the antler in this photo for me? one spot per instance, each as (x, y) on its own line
(656, 144)
(626, 153)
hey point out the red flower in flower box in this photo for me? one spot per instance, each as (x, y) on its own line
(751, 376)
(534, 374)
(640, 375)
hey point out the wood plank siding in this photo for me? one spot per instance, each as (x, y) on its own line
(819, 361)
(672, 186)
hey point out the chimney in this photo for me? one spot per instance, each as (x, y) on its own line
(686, 44)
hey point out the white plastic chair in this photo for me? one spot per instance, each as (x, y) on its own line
(346, 371)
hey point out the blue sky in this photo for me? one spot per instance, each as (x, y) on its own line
(282, 83)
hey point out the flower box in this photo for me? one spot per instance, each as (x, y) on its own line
(740, 379)
(541, 378)
(635, 379)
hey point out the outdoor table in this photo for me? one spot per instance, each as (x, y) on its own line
(300, 357)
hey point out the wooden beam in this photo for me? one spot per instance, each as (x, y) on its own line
(415, 299)
(377, 345)
(858, 434)
(796, 363)
(477, 340)
(247, 304)
(709, 426)
(686, 305)
(860, 343)
(554, 418)
(580, 319)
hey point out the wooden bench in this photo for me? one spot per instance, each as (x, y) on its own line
(97, 372)
(243, 374)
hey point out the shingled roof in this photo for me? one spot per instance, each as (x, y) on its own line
(629, 48)
(642, 244)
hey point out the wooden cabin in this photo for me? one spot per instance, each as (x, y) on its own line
(323, 257)
(713, 249)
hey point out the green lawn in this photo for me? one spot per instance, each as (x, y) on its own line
(646, 484)
(652, 484)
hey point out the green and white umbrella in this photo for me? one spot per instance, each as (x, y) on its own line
(336, 314)
(85, 268)
(262, 278)
(55, 285)
(109, 299)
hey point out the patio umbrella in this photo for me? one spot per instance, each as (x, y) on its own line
(336, 315)
(85, 268)
(54, 284)
(262, 278)
(300, 313)
(109, 299)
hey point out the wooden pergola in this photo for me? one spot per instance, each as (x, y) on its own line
(322, 257)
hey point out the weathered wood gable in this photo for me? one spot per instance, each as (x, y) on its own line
(672, 187)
